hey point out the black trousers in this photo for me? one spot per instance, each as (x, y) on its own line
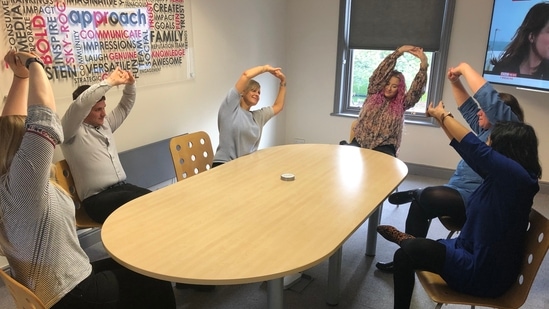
(434, 202)
(101, 205)
(387, 149)
(113, 286)
(415, 254)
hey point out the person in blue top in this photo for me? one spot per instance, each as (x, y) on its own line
(450, 199)
(240, 127)
(484, 260)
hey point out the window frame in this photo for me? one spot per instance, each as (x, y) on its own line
(437, 67)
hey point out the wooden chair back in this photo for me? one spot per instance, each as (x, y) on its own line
(352, 131)
(191, 154)
(23, 297)
(64, 179)
(537, 243)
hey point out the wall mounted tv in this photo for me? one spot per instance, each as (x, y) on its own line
(517, 52)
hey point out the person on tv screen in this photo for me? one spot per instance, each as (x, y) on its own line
(528, 53)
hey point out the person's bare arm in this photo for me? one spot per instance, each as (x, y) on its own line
(452, 127)
(251, 73)
(16, 101)
(281, 97)
(473, 78)
(460, 93)
(40, 91)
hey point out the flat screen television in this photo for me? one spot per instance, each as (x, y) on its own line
(526, 65)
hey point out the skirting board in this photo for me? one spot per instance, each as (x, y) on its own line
(446, 173)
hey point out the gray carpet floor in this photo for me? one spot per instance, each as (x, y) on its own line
(361, 285)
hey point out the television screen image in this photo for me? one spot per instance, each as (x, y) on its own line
(517, 52)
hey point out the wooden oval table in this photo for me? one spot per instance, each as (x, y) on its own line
(241, 223)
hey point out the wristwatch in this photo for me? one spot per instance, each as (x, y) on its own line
(34, 59)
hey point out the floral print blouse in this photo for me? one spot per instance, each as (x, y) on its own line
(382, 124)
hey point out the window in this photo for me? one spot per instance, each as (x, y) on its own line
(360, 49)
(364, 62)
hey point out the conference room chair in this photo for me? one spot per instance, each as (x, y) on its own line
(192, 153)
(537, 243)
(64, 178)
(352, 131)
(23, 297)
(452, 226)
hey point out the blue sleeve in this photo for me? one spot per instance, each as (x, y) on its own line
(469, 110)
(494, 108)
(484, 160)
(470, 149)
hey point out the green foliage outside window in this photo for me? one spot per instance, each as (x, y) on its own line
(364, 64)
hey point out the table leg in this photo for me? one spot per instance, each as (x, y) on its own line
(371, 238)
(274, 293)
(334, 275)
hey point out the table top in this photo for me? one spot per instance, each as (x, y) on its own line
(240, 223)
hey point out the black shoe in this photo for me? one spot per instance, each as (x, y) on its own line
(388, 267)
(403, 197)
(196, 287)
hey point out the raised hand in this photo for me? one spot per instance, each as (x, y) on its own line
(278, 74)
(436, 111)
(14, 61)
(131, 78)
(406, 48)
(418, 52)
(119, 77)
(271, 69)
(453, 75)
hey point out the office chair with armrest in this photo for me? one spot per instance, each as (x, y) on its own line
(64, 179)
(537, 243)
(192, 153)
(23, 297)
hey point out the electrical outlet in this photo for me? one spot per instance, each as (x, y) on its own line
(299, 140)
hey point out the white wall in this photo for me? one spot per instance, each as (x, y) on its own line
(311, 63)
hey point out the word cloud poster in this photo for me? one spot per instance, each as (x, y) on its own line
(81, 41)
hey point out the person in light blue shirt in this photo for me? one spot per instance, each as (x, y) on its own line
(240, 128)
(451, 199)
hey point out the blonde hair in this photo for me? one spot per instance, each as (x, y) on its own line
(55, 181)
(12, 129)
(252, 85)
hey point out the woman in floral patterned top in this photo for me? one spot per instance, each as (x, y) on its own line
(380, 122)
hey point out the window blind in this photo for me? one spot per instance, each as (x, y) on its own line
(388, 24)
